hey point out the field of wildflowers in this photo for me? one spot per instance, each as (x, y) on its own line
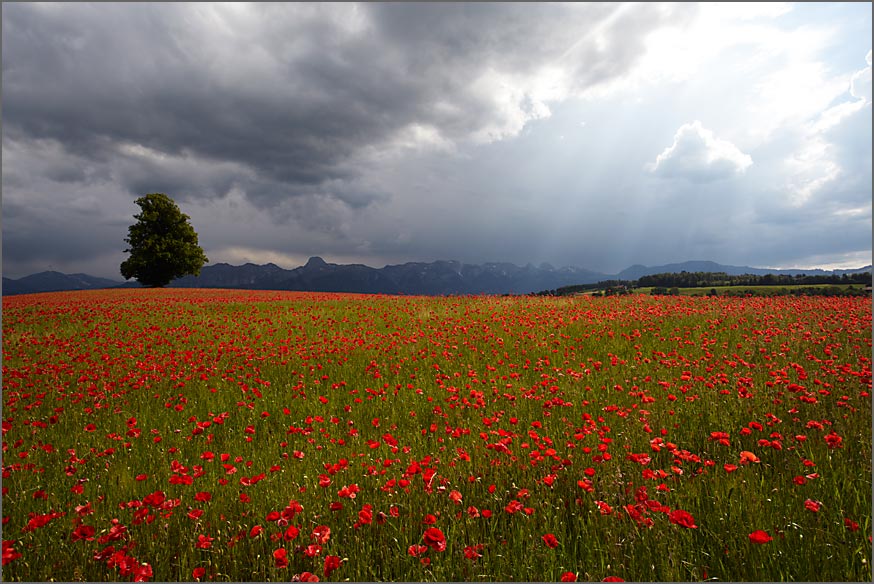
(215, 435)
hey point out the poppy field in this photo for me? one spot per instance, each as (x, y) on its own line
(219, 435)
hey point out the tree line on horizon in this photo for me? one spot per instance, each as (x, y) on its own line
(670, 282)
(714, 279)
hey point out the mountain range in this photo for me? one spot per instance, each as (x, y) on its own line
(434, 278)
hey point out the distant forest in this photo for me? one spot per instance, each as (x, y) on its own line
(669, 283)
(711, 279)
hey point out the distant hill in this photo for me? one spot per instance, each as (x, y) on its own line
(55, 282)
(432, 278)
(440, 277)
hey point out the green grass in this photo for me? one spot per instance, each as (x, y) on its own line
(290, 385)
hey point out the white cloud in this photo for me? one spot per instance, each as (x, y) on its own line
(699, 156)
(747, 10)
(794, 94)
(840, 261)
(860, 84)
(854, 212)
(236, 255)
(810, 169)
(833, 116)
(416, 137)
(683, 50)
(780, 77)
(814, 163)
(513, 105)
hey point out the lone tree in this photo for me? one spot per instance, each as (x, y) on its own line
(163, 244)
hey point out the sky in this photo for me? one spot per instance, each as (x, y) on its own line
(591, 135)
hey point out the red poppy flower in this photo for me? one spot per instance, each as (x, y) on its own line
(9, 553)
(142, 573)
(255, 531)
(641, 495)
(84, 509)
(850, 524)
(472, 552)
(292, 509)
(331, 564)
(811, 506)
(85, 532)
(550, 540)
(833, 440)
(280, 558)
(612, 579)
(682, 518)
(747, 457)
(348, 492)
(435, 539)
(204, 542)
(198, 573)
(155, 499)
(365, 516)
(568, 577)
(312, 550)
(305, 577)
(321, 534)
(760, 537)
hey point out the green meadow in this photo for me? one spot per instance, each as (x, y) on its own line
(217, 435)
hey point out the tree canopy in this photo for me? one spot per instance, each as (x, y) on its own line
(162, 243)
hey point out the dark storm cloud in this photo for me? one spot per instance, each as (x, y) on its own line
(45, 235)
(290, 92)
(96, 78)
